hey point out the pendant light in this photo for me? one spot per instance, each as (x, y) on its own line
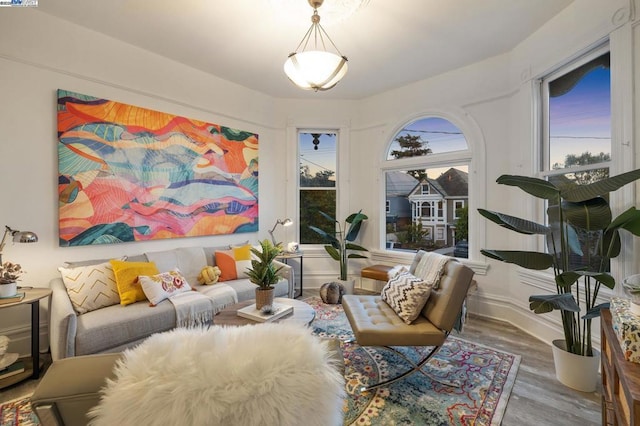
(316, 68)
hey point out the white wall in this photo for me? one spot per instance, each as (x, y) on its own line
(491, 101)
(55, 54)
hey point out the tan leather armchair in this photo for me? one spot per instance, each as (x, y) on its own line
(375, 323)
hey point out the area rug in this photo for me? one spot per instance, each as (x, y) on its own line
(464, 384)
(468, 384)
(17, 413)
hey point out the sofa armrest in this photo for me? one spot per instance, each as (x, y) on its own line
(287, 273)
(71, 387)
(63, 322)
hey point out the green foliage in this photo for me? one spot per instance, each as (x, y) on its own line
(462, 224)
(413, 234)
(262, 272)
(412, 146)
(339, 242)
(311, 203)
(582, 237)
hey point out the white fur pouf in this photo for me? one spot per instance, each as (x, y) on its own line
(265, 374)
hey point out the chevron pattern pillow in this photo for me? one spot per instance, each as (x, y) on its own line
(407, 295)
(90, 287)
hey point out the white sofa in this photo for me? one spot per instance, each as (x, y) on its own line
(115, 328)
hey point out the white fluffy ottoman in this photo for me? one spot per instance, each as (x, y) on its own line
(265, 374)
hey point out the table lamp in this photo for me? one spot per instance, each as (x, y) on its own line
(285, 222)
(18, 237)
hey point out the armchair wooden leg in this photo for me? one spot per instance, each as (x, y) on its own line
(416, 367)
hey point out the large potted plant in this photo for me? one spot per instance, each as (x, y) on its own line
(581, 238)
(263, 272)
(340, 244)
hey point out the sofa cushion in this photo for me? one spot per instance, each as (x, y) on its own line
(233, 263)
(189, 260)
(104, 329)
(163, 285)
(126, 274)
(90, 287)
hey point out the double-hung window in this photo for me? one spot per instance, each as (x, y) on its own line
(576, 123)
(317, 182)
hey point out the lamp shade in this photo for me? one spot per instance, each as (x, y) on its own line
(25, 237)
(315, 70)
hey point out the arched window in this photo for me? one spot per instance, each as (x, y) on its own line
(427, 188)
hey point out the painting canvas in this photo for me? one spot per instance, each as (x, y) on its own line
(127, 173)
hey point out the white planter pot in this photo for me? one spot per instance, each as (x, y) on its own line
(348, 285)
(8, 290)
(575, 371)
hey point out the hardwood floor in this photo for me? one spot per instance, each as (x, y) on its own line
(537, 398)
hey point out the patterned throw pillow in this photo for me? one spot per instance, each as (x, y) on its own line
(90, 287)
(233, 263)
(127, 274)
(407, 295)
(163, 286)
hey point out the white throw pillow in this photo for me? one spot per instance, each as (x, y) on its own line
(163, 286)
(407, 295)
(90, 287)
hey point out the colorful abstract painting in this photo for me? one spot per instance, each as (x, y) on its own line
(127, 173)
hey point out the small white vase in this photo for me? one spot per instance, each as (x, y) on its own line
(9, 289)
(575, 371)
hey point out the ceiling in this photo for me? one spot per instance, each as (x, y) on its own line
(389, 43)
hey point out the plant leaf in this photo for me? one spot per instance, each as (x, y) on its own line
(593, 214)
(595, 311)
(333, 252)
(515, 223)
(326, 216)
(351, 246)
(585, 192)
(567, 279)
(629, 220)
(537, 187)
(525, 259)
(355, 222)
(356, 256)
(328, 237)
(542, 304)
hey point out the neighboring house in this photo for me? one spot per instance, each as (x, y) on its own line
(434, 203)
(398, 208)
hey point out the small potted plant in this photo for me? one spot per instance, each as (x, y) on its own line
(340, 243)
(9, 274)
(263, 273)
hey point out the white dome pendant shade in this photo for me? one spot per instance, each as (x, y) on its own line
(315, 69)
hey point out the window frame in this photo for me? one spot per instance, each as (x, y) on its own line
(457, 158)
(544, 141)
(335, 188)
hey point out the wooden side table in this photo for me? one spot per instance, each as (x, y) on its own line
(285, 257)
(620, 380)
(32, 365)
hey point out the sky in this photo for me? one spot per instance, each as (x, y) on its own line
(324, 158)
(580, 120)
(441, 135)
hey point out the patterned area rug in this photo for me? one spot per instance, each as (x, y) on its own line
(17, 413)
(467, 383)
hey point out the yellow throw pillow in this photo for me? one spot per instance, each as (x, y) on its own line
(126, 274)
